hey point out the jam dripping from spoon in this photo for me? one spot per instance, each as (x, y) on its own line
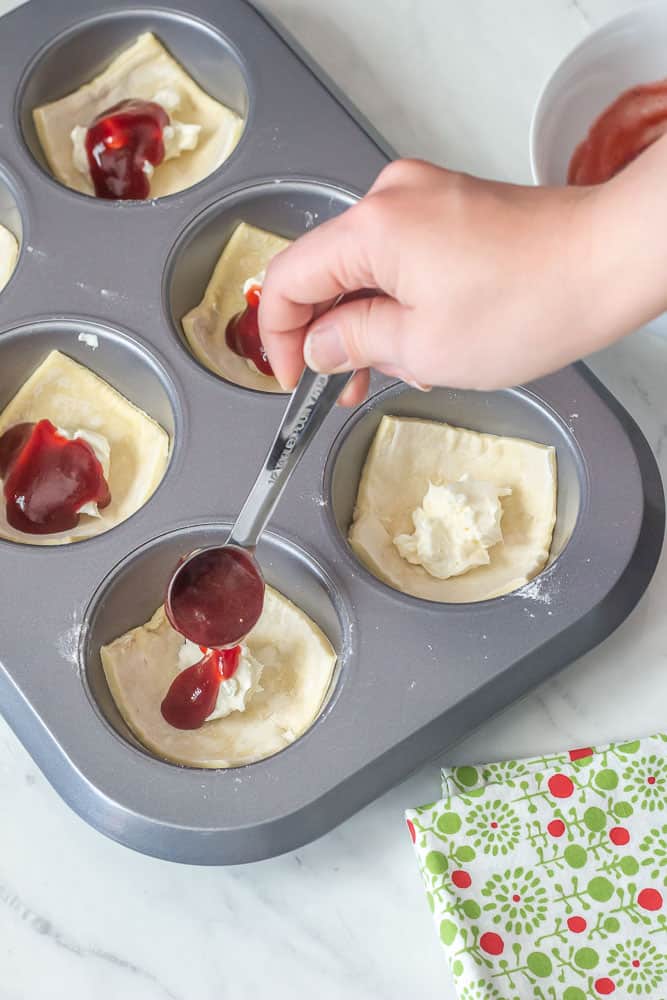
(194, 692)
(123, 144)
(242, 334)
(47, 478)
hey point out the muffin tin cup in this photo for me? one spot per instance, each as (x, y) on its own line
(516, 413)
(289, 206)
(135, 588)
(81, 52)
(412, 676)
(114, 355)
(12, 209)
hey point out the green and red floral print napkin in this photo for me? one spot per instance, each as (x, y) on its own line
(547, 878)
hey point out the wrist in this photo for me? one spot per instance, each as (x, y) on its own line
(625, 223)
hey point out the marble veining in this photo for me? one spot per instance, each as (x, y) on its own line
(81, 916)
(43, 926)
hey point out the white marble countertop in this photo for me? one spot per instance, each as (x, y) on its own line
(345, 917)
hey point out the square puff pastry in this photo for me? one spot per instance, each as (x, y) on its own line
(247, 252)
(9, 252)
(298, 663)
(405, 456)
(74, 398)
(140, 72)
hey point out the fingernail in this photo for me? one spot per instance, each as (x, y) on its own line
(419, 385)
(324, 350)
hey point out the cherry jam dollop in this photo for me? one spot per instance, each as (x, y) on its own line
(242, 334)
(120, 143)
(47, 478)
(194, 692)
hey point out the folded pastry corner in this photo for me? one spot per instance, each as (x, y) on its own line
(246, 254)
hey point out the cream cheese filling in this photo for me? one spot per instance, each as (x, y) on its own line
(454, 527)
(234, 693)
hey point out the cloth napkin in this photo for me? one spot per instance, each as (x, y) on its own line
(547, 877)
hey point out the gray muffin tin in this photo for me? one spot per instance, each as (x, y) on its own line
(412, 677)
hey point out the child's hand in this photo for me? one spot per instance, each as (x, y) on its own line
(479, 284)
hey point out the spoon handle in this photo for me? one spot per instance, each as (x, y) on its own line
(308, 406)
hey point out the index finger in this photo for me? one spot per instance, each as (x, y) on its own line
(311, 273)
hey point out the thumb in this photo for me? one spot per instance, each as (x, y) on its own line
(362, 333)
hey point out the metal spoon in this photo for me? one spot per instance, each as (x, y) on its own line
(215, 595)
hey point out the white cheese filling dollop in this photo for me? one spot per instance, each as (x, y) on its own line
(235, 693)
(256, 282)
(176, 136)
(455, 526)
(102, 450)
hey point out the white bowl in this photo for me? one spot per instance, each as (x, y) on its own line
(625, 51)
(628, 50)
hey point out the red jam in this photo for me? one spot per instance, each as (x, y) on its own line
(120, 142)
(193, 694)
(634, 121)
(242, 333)
(217, 598)
(47, 478)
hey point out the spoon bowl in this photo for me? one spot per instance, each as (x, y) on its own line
(215, 595)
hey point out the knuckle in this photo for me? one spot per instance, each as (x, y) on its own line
(355, 324)
(376, 337)
(457, 193)
(373, 215)
(276, 270)
(401, 172)
(353, 329)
